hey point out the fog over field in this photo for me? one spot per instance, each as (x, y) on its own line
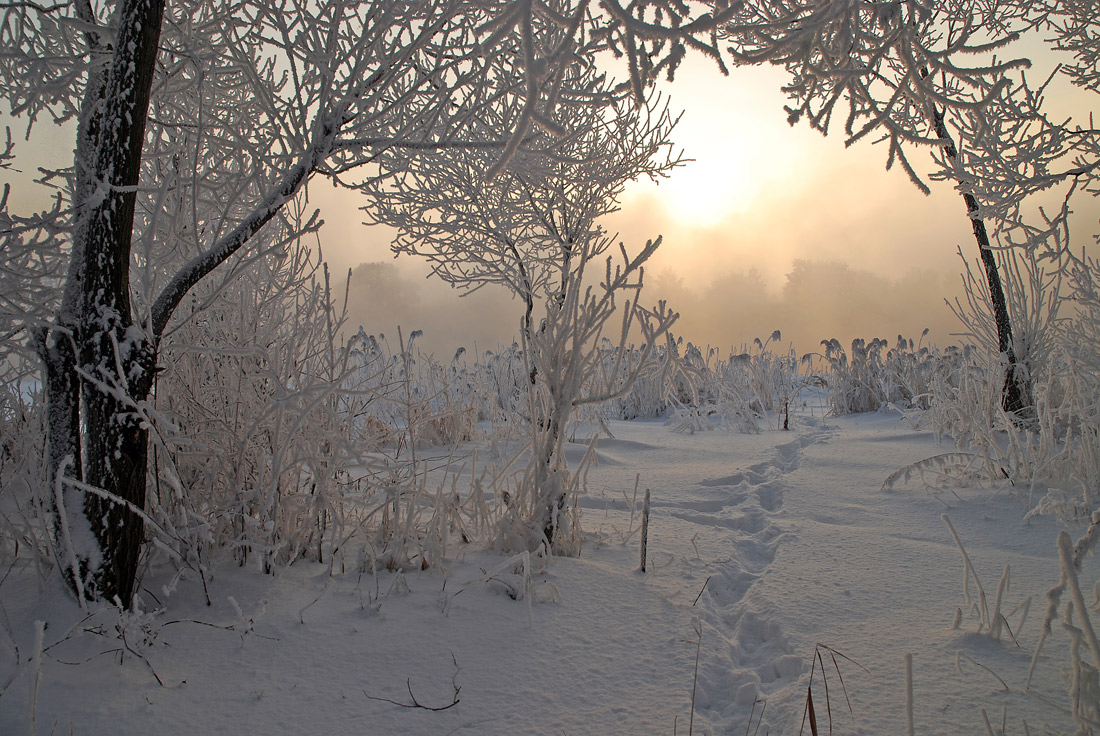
(818, 300)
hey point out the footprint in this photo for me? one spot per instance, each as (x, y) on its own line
(770, 497)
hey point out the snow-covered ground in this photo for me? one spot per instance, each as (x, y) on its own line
(761, 547)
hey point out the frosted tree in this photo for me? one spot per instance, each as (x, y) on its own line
(30, 269)
(892, 71)
(1014, 148)
(196, 124)
(1025, 167)
(533, 228)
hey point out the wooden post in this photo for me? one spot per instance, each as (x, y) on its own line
(909, 694)
(645, 526)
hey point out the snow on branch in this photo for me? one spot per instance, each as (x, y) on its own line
(888, 65)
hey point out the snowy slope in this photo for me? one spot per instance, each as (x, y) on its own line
(761, 546)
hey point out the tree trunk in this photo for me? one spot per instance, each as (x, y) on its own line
(549, 483)
(1016, 392)
(99, 364)
(63, 454)
(117, 456)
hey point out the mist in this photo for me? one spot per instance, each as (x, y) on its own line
(771, 228)
(819, 300)
(386, 301)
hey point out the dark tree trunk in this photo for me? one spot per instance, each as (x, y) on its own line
(63, 456)
(1016, 392)
(99, 364)
(118, 529)
(57, 346)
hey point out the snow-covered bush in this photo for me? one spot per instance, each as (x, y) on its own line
(871, 379)
(31, 263)
(254, 429)
(855, 384)
(22, 474)
(276, 441)
(734, 393)
(570, 369)
(1077, 390)
(408, 399)
(1054, 444)
(648, 394)
(697, 387)
(532, 225)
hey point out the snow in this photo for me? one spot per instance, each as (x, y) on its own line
(761, 546)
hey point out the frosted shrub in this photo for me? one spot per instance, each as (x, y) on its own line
(729, 393)
(571, 370)
(255, 428)
(699, 389)
(1082, 676)
(771, 375)
(501, 380)
(875, 376)
(316, 471)
(854, 385)
(277, 442)
(909, 370)
(774, 378)
(410, 403)
(1051, 442)
(649, 393)
(408, 398)
(31, 264)
(531, 224)
(1068, 398)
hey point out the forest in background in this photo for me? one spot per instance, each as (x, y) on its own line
(820, 301)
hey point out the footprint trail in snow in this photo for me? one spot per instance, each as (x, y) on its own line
(744, 656)
(752, 657)
(716, 527)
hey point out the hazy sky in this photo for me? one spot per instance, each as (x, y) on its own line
(760, 196)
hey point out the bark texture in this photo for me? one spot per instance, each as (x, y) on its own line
(99, 363)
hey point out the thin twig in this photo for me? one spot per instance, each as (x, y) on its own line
(416, 703)
(701, 591)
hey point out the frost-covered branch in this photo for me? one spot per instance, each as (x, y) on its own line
(887, 65)
(200, 123)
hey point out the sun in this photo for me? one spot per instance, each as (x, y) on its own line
(734, 132)
(704, 192)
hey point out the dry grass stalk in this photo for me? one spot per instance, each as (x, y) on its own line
(810, 711)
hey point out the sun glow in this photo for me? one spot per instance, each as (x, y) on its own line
(726, 175)
(734, 136)
(704, 192)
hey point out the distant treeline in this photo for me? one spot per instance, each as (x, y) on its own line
(820, 300)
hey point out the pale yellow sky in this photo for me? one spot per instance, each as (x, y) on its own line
(760, 196)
